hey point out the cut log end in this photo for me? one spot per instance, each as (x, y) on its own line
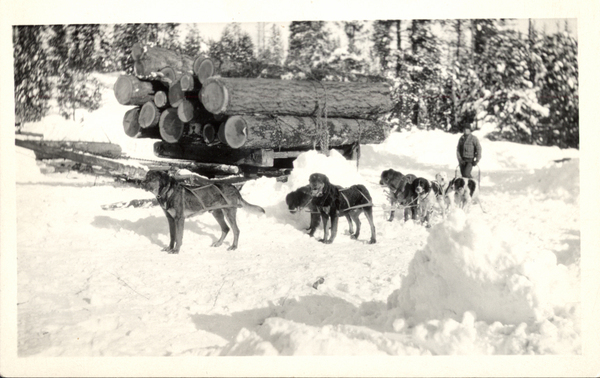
(160, 99)
(136, 51)
(186, 111)
(130, 122)
(149, 115)
(188, 83)
(129, 90)
(214, 97)
(171, 127)
(209, 133)
(204, 68)
(234, 132)
(176, 95)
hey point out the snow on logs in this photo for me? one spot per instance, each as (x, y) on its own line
(223, 110)
(232, 96)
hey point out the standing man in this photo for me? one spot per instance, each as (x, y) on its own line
(468, 152)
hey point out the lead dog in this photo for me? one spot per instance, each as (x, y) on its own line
(180, 201)
(300, 199)
(331, 201)
(461, 192)
(397, 183)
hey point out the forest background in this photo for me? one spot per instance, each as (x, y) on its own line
(444, 73)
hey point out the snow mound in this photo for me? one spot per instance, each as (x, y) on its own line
(466, 266)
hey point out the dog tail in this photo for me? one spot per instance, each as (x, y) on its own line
(250, 207)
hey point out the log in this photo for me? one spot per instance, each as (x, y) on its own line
(161, 100)
(205, 67)
(169, 75)
(250, 132)
(153, 59)
(170, 126)
(233, 96)
(209, 133)
(187, 111)
(189, 83)
(149, 115)
(130, 122)
(176, 94)
(129, 90)
(136, 51)
(132, 127)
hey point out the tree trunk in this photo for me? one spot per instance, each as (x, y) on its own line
(295, 97)
(189, 83)
(132, 127)
(249, 132)
(170, 126)
(187, 111)
(161, 100)
(130, 122)
(209, 133)
(149, 115)
(153, 59)
(205, 67)
(169, 75)
(176, 94)
(129, 90)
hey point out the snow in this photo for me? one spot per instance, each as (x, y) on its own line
(92, 282)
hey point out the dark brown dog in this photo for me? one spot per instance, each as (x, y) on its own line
(401, 192)
(331, 201)
(180, 201)
(300, 199)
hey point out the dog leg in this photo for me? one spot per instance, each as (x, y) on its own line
(220, 217)
(230, 216)
(324, 219)
(315, 220)
(179, 222)
(172, 233)
(350, 227)
(334, 225)
(354, 214)
(467, 199)
(369, 214)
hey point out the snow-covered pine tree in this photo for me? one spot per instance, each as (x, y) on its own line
(275, 46)
(58, 53)
(76, 89)
(423, 76)
(559, 90)
(235, 45)
(82, 47)
(310, 44)
(510, 95)
(352, 58)
(383, 44)
(31, 74)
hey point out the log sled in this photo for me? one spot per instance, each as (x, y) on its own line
(253, 116)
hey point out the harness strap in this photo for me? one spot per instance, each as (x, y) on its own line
(369, 203)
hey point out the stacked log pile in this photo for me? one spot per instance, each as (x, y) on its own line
(247, 115)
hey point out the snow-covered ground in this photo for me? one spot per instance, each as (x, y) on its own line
(93, 282)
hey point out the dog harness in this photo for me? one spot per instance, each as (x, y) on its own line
(195, 189)
(369, 203)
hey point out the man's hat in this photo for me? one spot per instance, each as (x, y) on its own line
(468, 126)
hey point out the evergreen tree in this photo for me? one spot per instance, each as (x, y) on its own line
(82, 47)
(559, 91)
(235, 45)
(383, 43)
(77, 90)
(309, 44)
(275, 46)
(31, 72)
(59, 48)
(167, 36)
(192, 44)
